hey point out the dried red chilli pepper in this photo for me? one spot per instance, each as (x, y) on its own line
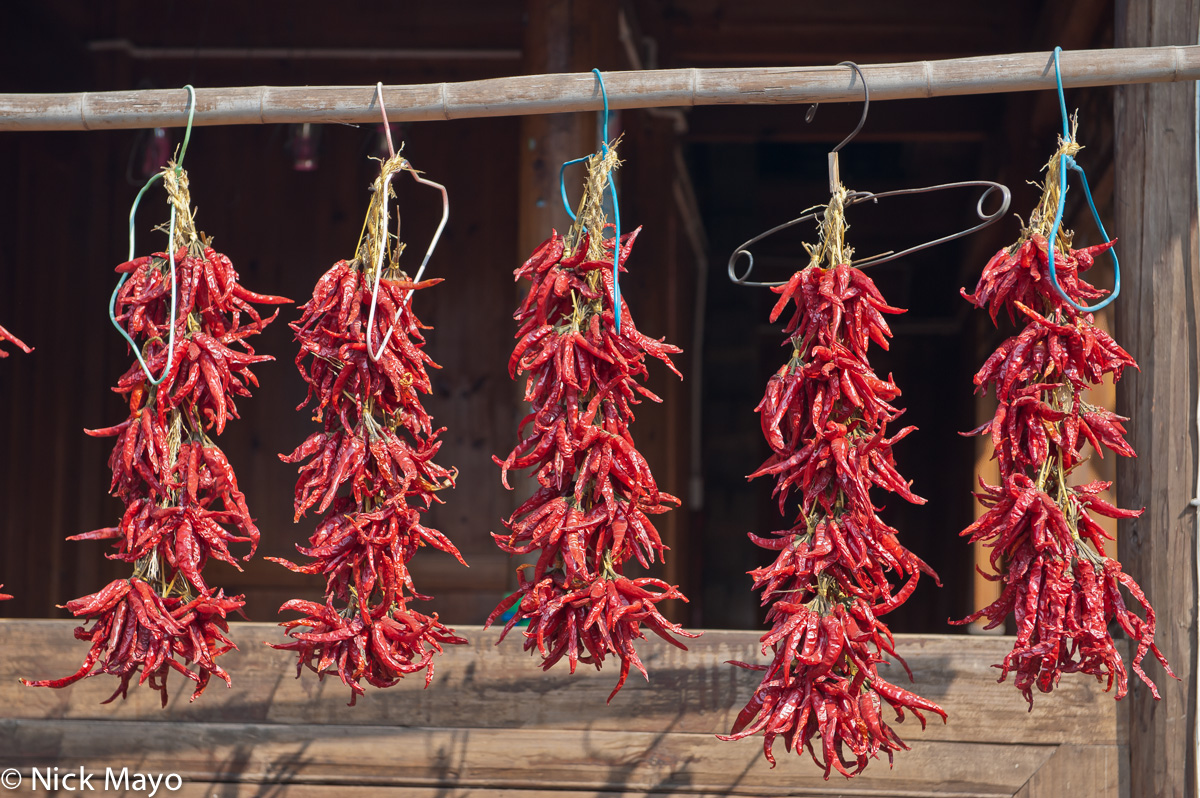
(825, 416)
(591, 512)
(1060, 586)
(370, 470)
(182, 502)
(5, 335)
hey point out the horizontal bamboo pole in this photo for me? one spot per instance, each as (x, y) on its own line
(548, 94)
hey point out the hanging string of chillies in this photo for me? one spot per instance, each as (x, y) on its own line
(182, 502)
(5, 335)
(1060, 586)
(825, 415)
(590, 513)
(378, 440)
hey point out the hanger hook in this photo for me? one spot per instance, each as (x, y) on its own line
(387, 129)
(866, 104)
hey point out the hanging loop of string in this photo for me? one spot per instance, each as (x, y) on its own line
(112, 302)
(612, 190)
(386, 176)
(1066, 161)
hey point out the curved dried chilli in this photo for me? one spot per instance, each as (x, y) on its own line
(5, 335)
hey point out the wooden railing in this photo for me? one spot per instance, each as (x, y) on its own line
(493, 724)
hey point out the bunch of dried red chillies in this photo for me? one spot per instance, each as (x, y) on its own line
(182, 503)
(590, 513)
(1047, 549)
(825, 416)
(365, 375)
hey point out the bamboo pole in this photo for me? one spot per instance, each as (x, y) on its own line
(548, 94)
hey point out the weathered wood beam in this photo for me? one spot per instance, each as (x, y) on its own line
(492, 723)
(383, 55)
(549, 94)
(482, 685)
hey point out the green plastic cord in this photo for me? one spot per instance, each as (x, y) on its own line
(112, 302)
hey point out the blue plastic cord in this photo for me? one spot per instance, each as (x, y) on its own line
(112, 301)
(612, 189)
(562, 183)
(1063, 163)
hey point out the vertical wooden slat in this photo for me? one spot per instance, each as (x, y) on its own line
(560, 36)
(1157, 322)
(659, 289)
(1091, 770)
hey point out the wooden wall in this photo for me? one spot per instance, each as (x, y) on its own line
(493, 724)
(65, 227)
(282, 227)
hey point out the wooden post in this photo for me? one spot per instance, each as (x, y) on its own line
(1156, 320)
(660, 287)
(560, 36)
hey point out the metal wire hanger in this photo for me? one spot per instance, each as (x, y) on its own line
(437, 236)
(856, 197)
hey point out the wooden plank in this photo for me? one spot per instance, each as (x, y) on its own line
(770, 32)
(486, 686)
(1156, 321)
(498, 758)
(547, 94)
(227, 789)
(1097, 771)
(466, 24)
(659, 288)
(243, 54)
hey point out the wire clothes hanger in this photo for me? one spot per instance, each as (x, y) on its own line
(857, 197)
(437, 236)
